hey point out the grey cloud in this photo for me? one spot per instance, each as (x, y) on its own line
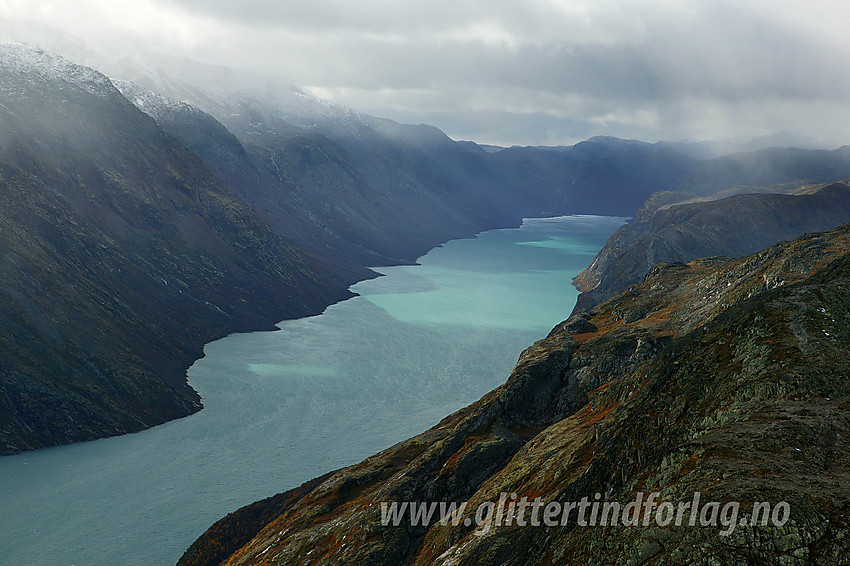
(565, 68)
(729, 54)
(362, 16)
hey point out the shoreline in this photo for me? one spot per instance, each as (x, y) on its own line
(279, 415)
(269, 323)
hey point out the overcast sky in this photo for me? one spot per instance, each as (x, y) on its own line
(526, 71)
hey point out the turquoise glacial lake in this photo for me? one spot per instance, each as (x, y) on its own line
(319, 394)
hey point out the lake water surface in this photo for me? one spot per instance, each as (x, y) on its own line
(283, 407)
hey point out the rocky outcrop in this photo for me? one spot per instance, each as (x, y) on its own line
(672, 227)
(724, 377)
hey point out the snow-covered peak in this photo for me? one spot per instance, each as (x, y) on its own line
(246, 102)
(236, 97)
(31, 62)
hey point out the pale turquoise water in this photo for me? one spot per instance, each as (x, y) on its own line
(283, 407)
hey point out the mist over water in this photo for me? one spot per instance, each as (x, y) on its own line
(283, 407)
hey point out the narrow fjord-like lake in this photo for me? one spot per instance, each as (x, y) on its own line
(284, 407)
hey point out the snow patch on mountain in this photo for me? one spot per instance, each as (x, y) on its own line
(26, 61)
(151, 103)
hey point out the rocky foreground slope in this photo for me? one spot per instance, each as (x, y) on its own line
(724, 377)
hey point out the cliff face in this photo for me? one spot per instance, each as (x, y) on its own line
(725, 377)
(668, 230)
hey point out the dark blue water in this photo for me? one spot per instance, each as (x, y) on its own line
(283, 407)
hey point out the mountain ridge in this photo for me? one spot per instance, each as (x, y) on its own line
(671, 227)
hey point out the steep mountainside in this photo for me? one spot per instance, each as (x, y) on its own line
(330, 177)
(336, 178)
(121, 254)
(365, 167)
(667, 231)
(724, 377)
(256, 179)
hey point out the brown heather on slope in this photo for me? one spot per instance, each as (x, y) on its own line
(727, 377)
